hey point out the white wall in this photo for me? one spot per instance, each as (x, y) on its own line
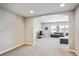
(32, 26)
(77, 29)
(9, 24)
(19, 30)
(29, 31)
(36, 28)
(46, 32)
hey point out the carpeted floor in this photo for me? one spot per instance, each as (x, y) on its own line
(42, 47)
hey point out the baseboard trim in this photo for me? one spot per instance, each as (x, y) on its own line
(74, 51)
(10, 49)
(14, 47)
(28, 43)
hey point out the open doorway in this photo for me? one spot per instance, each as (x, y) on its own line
(52, 31)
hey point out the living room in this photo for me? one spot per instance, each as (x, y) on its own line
(21, 24)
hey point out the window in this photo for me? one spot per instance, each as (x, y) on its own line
(53, 29)
(61, 28)
(66, 28)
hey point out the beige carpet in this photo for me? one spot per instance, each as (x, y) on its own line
(42, 47)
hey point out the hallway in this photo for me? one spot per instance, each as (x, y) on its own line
(42, 47)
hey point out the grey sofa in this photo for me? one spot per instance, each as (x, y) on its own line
(57, 35)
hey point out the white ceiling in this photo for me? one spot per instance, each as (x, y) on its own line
(23, 9)
(54, 18)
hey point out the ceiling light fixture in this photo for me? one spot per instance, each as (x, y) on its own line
(62, 5)
(31, 11)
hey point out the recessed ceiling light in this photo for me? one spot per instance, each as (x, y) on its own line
(62, 5)
(31, 11)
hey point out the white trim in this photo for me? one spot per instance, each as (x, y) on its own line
(28, 43)
(74, 51)
(14, 47)
(10, 49)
